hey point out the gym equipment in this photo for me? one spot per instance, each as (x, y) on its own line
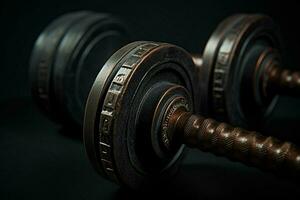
(66, 58)
(139, 118)
(241, 73)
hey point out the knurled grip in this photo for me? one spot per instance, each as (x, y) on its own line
(282, 81)
(251, 148)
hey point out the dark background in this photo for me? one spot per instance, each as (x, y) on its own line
(40, 160)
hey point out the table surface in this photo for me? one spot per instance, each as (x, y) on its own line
(41, 160)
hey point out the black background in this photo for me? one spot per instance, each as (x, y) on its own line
(40, 160)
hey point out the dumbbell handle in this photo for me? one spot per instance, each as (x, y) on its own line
(281, 81)
(251, 148)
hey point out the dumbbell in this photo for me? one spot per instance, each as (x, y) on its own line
(241, 73)
(139, 117)
(66, 58)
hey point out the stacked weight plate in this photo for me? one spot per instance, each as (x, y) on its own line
(66, 58)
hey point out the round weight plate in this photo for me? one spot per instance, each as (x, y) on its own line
(82, 50)
(79, 58)
(112, 140)
(42, 60)
(224, 93)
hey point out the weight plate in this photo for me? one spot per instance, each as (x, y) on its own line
(229, 60)
(120, 103)
(42, 60)
(81, 51)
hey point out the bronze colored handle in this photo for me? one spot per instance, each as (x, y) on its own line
(282, 81)
(251, 148)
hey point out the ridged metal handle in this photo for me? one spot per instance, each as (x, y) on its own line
(251, 148)
(282, 81)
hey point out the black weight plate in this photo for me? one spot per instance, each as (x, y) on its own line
(110, 133)
(93, 105)
(81, 52)
(79, 58)
(42, 60)
(224, 91)
(206, 72)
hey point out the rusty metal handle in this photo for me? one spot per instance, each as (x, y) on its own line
(282, 81)
(251, 148)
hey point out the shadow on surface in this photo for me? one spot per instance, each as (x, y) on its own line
(211, 181)
(74, 133)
